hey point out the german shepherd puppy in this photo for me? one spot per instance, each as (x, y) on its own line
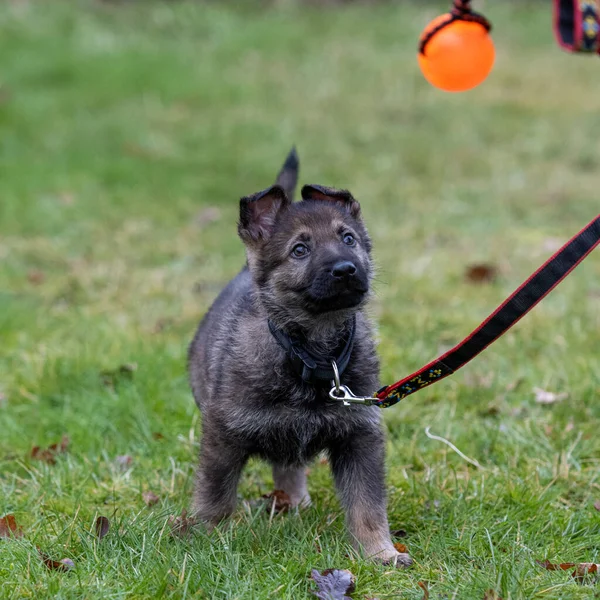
(307, 281)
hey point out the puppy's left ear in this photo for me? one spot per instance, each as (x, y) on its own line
(258, 213)
(342, 198)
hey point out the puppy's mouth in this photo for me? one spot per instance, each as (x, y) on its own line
(343, 300)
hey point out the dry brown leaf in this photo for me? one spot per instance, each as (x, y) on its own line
(481, 273)
(48, 455)
(597, 505)
(150, 498)
(546, 564)
(9, 527)
(124, 461)
(423, 586)
(36, 277)
(545, 397)
(581, 572)
(280, 501)
(157, 435)
(584, 570)
(491, 595)
(181, 525)
(333, 584)
(401, 548)
(102, 527)
(64, 564)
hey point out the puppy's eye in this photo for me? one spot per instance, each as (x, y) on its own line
(349, 239)
(300, 251)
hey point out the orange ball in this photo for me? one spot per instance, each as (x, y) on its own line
(458, 57)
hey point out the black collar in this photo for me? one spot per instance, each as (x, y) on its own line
(311, 367)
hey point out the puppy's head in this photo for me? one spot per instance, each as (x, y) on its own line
(310, 259)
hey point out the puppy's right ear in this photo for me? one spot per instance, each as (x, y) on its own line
(259, 212)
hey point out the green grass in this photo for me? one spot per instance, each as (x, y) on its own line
(120, 125)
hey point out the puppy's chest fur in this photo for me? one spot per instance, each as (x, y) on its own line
(284, 420)
(289, 432)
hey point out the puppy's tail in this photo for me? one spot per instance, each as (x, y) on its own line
(288, 176)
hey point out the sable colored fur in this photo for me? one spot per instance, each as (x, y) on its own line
(308, 271)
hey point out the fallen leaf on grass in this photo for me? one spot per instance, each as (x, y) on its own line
(124, 461)
(481, 273)
(150, 498)
(9, 527)
(48, 455)
(491, 595)
(401, 548)
(545, 397)
(546, 564)
(102, 527)
(181, 525)
(64, 564)
(333, 584)
(597, 505)
(582, 570)
(280, 501)
(110, 378)
(36, 277)
(423, 586)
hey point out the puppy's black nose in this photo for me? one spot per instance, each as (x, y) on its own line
(343, 269)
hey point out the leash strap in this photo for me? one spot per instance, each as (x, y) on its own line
(517, 305)
(577, 25)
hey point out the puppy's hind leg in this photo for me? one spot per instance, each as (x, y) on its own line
(292, 480)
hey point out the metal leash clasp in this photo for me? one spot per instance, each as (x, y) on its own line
(342, 393)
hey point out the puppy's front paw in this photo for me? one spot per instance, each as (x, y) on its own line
(393, 558)
(402, 560)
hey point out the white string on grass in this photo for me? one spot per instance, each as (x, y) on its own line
(451, 445)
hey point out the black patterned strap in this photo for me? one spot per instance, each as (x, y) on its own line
(516, 306)
(577, 25)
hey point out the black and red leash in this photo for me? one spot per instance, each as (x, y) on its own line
(516, 306)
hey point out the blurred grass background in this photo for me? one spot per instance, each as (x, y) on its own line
(128, 131)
